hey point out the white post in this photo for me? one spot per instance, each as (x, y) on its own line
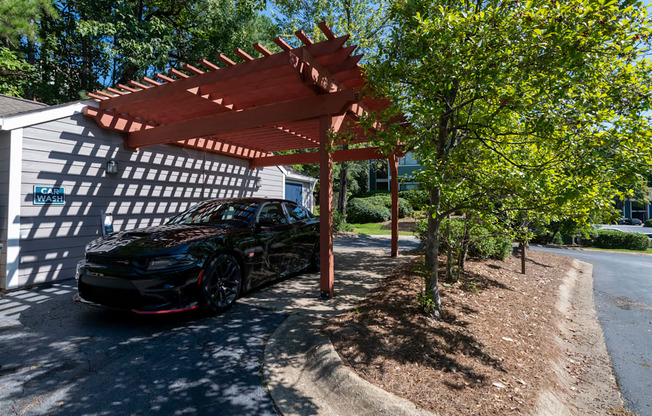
(14, 199)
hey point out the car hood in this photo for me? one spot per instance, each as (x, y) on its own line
(153, 239)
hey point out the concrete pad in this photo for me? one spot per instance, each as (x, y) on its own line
(356, 272)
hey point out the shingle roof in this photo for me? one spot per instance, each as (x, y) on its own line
(13, 105)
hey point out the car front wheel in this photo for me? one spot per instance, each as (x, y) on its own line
(221, 284)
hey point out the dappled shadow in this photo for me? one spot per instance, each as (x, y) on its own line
(61, 357)
(356, 272)
(403, 334)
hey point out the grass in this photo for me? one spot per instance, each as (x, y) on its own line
(373, 228)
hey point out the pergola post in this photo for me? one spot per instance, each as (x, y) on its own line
(393, 168)
(327, 124)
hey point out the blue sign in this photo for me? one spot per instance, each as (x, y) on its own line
(48, 195)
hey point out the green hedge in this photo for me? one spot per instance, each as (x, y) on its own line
(363, 210)
(375, 208)
(617, 239)
(648, 223)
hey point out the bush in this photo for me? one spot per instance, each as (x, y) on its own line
(363, 210)
(648, 223)
(338, 224)
(417, 198)
(484, 244)
(615, 239)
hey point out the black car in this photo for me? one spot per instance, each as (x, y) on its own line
(202, 258)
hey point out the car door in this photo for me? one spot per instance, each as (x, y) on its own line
(275, 232)
(304, 233)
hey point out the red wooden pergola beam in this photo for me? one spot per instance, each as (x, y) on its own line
(282, 44)
(326, 30)
(178, 73)
(225, 59)
(314, 73)
(242, 54)
(192, 69)
(303, 37)
(115, 91)
(224, 74)
(302, 108)
(260, 48)
(208, 65)
(164, 78)
(222, 148)
(127, 88)
(150, 81)
(139, 85)
(112, 121)
(347, 155)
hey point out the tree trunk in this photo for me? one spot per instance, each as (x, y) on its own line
(464, 248)
(341, 200)
(432, 249)
(449, 252)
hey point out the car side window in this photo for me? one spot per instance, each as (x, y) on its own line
(272, 214)
(297, 213)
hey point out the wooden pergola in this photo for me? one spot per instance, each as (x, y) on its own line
(290, 100)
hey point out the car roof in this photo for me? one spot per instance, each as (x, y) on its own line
(248, 199)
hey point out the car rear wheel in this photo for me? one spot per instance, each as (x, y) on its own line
(221, 284)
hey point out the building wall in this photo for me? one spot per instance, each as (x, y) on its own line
(152, 185)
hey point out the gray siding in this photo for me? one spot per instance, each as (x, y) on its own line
(4, 191)
(152, 185)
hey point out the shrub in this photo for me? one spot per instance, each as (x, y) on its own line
(648, 223)
(617, 240)
(362, 210)
(338, 224)
(418, 198)
(484, 244)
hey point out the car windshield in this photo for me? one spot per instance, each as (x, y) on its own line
(231, 214)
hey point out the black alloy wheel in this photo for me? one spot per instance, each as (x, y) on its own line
(221, 284)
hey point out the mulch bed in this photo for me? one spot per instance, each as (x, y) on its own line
(489, 354)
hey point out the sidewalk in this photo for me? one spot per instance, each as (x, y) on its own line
(304, 374)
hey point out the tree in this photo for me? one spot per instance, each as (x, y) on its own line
(14, 73)
(534, 109)
(365, 22)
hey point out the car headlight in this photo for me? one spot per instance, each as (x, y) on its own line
(175, 260)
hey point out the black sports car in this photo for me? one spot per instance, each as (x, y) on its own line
(202, 258)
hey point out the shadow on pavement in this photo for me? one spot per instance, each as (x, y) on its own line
(61, 357)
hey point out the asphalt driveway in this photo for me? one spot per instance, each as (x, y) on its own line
(61, 357)
(623, 300)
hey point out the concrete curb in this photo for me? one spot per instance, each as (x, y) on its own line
(305, 376)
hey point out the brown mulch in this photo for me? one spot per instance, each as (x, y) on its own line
(490, 353)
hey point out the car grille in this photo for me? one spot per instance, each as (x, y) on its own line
(105, 260)
(115, 298)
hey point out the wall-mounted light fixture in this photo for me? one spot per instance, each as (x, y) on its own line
(258, 183)
(111, 167)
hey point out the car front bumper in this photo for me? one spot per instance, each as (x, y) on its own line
(164, 292)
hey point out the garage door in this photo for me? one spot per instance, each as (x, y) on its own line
(294, 192)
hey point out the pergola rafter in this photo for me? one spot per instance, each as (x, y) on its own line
(289, 100)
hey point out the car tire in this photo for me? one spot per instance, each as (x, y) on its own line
(221, 284)
(315, 259)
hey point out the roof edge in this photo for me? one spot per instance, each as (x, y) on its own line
(43, 115)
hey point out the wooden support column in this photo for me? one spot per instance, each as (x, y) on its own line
(327, 271)
(393, 168)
